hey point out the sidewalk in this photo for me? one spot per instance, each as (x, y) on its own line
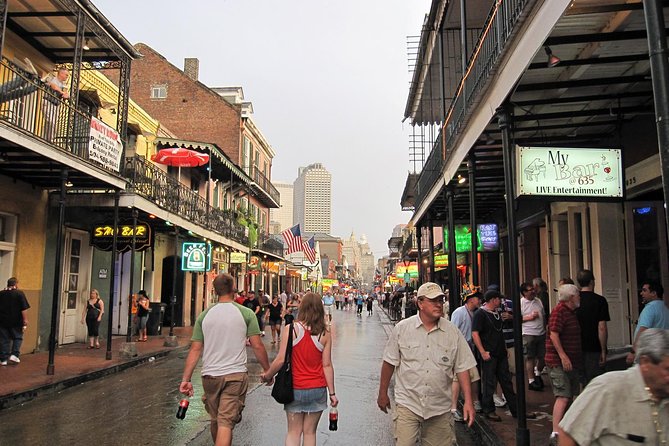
(75, 364)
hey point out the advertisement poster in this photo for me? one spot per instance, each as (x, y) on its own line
(104, 145)
(569, 172)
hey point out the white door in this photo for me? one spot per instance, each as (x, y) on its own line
(75, 285)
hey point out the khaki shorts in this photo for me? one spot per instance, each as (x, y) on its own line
(327, 309)
(534, 346)
(565, 384)
(435, 431)
(473, 375)
(224, 397)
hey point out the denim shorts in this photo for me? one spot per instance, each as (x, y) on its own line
(308, 400)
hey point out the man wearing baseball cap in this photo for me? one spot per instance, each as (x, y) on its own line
(427, 351)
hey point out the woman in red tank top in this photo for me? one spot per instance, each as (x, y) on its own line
(313, 374)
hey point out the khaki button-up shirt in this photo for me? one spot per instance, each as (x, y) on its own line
(425, 364)
(615, 409)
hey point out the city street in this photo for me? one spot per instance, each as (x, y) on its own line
(138, 406)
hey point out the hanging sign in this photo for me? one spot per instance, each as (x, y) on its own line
(487, 236)
(104, 145)
(255, 263)
(193, 257)
(282, 269)
(102, 236)
(569, 172)
(237, 257)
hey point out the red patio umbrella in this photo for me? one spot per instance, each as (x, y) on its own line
(180, 157)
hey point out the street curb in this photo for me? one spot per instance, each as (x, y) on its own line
(486, 435)
(16, 399)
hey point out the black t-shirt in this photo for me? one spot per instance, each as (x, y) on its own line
(489, 327)
(593, 309)
(12, 303)
(252, 304)
(275, 311)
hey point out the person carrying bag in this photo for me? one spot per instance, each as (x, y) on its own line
(282, 391)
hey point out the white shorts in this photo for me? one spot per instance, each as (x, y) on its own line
(328, 309)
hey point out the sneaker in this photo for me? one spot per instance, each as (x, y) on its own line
(534, 385)
(477, 407)
(3, 362)
(14, 359)
(499, 401)
(553, 440)
(262, 333)
(457, 416)
(492, 416)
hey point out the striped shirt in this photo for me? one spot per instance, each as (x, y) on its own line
(563, 321)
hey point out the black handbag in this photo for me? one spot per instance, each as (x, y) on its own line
(282, 391)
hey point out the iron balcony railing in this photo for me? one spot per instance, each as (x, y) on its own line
(155, 185)
(261, 180)
(268, 244)
(28, 104)
(498, 29)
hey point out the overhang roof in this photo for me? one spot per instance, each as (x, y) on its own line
(50, 26)
(601, 85)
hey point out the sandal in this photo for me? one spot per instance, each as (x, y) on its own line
(97, 345)
(90, 346)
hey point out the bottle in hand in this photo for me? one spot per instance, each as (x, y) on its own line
(334, 417)
(183, 407)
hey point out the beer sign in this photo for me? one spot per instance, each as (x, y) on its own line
(195, 257)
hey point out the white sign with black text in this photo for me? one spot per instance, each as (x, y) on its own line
(104, 145)
(569, 172)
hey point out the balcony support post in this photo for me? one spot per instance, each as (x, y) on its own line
(463, 46)
(453, 282)
(74, 86)
(173, 300)
(504, 114)
(419, 239)
(131, 287)
(430, 240)
(112, 275)
(3, 25)
(471, 168)
(659, 69)
(58, 273)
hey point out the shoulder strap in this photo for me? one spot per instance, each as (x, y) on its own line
(289, 347)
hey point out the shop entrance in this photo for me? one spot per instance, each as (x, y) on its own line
(647, 249)
(166, 291)
(76, 280)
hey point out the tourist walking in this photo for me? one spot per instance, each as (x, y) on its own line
(92, 316)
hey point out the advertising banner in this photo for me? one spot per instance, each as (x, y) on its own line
(104, 145)
(195, 257)
(569, 172)
(237, 257)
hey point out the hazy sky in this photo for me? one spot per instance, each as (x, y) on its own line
(328, 81)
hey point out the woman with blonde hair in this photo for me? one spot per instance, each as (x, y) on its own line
(313, 373)
(93, 312)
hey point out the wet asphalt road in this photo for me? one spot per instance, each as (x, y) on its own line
(138, 406)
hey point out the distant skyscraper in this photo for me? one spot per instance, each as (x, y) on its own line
(283, 216)
(312, 199)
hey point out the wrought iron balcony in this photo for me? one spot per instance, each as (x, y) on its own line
(268, 244)
(29, 105)
(148, 181)
(265, 184)
(498, 29)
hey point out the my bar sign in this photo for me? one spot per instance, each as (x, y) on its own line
(102, 237)
(569, 172)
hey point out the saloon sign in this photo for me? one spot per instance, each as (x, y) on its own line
(102, 236)
(569, 172)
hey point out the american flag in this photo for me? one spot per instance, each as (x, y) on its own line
(309, 249)
(293, 239)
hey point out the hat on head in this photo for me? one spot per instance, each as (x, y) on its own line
(491, 294)
(430, 290)
(474, 294)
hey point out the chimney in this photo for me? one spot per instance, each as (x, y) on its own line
(192, 67)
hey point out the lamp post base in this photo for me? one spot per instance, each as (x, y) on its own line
(128, 350)
(171, 341)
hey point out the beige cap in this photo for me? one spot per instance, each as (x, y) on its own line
(430, 290)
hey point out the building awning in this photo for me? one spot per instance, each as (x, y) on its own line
(212, 149)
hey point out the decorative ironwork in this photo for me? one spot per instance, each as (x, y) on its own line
(263, 182)
(3, 24)
(268, 244)
(124, 101)
(28, 104)
(148, 181)
(76, 64)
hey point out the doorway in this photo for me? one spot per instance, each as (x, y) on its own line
(166, 291)
(75, 284)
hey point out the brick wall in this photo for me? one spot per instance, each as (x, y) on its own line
(190, 110)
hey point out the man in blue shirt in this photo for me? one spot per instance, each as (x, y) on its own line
(655, 313)
(328, 302)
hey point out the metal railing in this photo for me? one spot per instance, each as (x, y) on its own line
(498, 28)
(28, 104)
(261, 180)
(148, 181)
(269, 244)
